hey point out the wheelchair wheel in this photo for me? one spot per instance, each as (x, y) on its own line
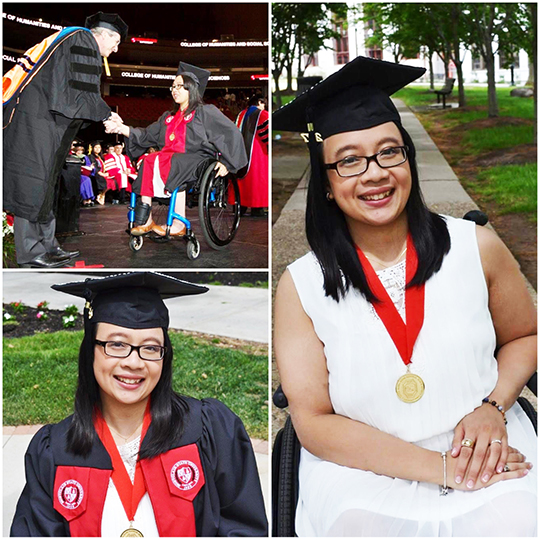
(285, 464)
(219, 217)
(193, 248)
(135, 243)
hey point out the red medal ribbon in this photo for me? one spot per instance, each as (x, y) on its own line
(403, 334)
(130, 494)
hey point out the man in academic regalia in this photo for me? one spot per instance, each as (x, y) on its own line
(43, 110)
(253, 123)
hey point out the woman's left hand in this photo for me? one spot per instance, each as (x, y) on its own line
(221, 169)
(484, 426)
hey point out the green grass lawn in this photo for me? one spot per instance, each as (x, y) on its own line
(40, 376)
(476, 99)
(513, 187)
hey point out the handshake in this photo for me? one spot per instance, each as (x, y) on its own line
(115, 124)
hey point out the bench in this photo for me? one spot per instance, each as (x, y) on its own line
(446, 90)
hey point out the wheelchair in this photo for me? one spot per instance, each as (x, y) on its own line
(286, 450)
(218, 202)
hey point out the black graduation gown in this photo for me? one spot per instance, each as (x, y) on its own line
(39, 129)
(230, 503)
(209, 132)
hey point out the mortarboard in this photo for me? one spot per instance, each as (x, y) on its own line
(111, 21)
(199, 75)
(355, 97)
(131, 300)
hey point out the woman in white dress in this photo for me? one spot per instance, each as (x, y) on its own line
(395, 392)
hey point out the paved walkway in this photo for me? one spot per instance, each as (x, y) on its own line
(236, 312)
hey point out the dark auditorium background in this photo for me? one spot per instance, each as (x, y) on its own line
(229, 39)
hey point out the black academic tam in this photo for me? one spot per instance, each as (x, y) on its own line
(230, 502)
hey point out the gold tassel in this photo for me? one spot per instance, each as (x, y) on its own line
(107, 69)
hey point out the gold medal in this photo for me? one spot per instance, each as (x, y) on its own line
(410, 388)
(131, 532)
(171, 137)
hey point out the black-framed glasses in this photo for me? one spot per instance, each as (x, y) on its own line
(176, 87)
(119, 349)
(354, 165)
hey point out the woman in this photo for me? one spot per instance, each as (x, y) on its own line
(188, 136)
(99, 176)
(394, 391)
(87, 193)
(137, 459)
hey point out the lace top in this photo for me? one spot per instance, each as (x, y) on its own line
(393, 280)
(128, 452)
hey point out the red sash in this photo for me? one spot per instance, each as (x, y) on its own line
(403, 334)
(130, 494)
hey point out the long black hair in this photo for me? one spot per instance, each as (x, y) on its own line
(332, 244)
(166, 406)
(195, 98)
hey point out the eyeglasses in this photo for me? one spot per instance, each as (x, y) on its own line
(354, 165)
(176, 87)
(119, 349)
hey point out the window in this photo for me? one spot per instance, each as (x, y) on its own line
(375, 53)
(341, 44)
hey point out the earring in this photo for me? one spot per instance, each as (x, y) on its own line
(328, 196)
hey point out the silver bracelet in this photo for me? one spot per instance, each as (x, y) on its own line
(443, 490)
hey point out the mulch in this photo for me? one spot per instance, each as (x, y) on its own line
(517, 231)
(30, 324)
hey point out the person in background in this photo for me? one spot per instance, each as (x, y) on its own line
(253, 124)
(87, 193)
(98, 176)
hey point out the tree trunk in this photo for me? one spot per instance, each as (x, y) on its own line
(493, 107)
(277, 93)
(461, 83)
(289, 69)
(431, 74)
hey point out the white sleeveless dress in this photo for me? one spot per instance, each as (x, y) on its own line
(454, 356)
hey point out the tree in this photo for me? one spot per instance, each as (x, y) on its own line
(499, 24)
(404, 28)
(450, 25)
(297, 30)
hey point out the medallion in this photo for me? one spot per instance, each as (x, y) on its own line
(131, 532)
(410, 388)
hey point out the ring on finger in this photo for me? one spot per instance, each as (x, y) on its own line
(506, 468)
(467, 443)
(496, 441)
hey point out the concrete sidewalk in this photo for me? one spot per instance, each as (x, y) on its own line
(235, 312)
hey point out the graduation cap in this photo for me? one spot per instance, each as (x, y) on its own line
(355, 97)
(199, 75)
(130, 300)
(111, 21)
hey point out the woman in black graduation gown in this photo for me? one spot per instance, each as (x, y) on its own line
(188, 136)
(195, 474)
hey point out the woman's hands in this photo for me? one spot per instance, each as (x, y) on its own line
(484, 426)
(516, 467)
(115, 124)
(221, 169)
